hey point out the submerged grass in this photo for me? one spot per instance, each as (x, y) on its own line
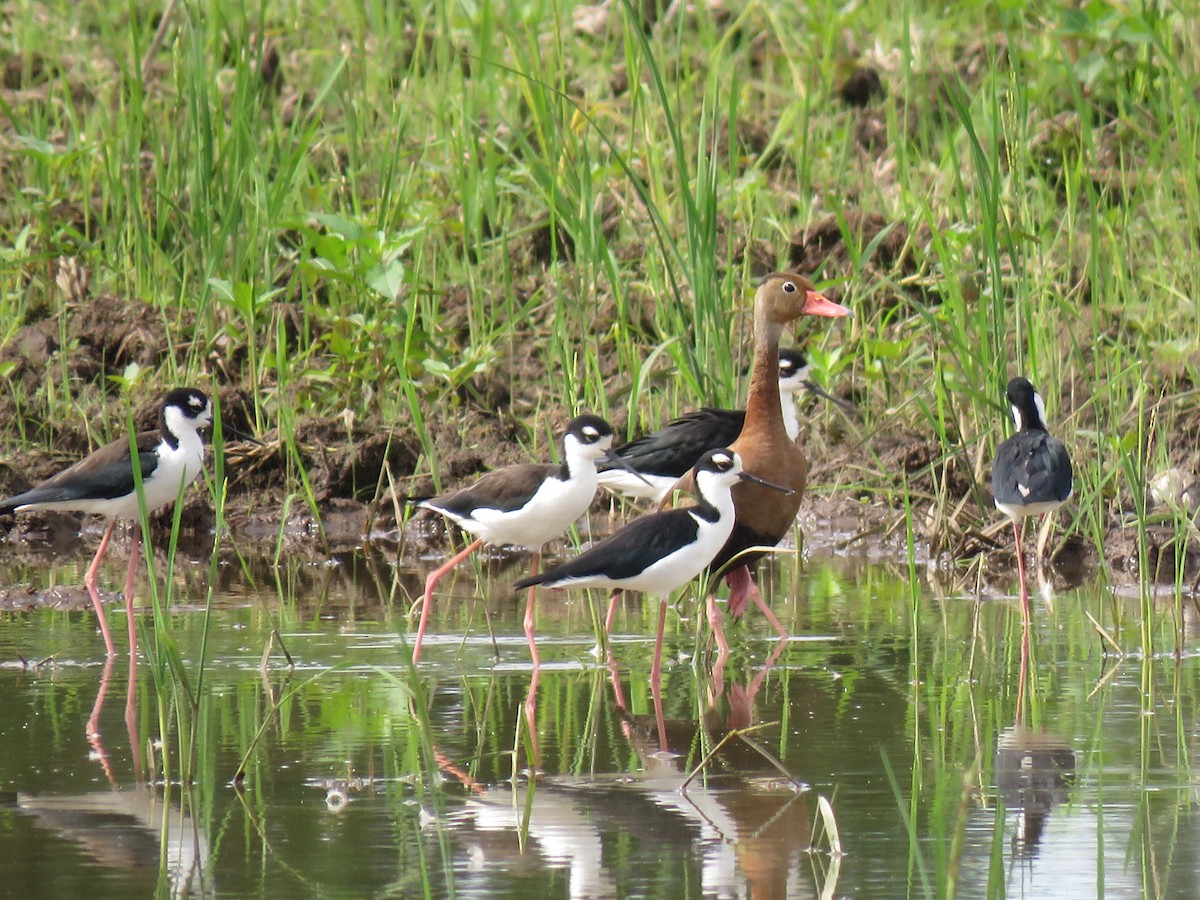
(582, 224)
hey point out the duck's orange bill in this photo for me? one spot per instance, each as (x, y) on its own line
(818, 305)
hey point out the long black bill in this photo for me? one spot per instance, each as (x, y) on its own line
(228, 431)
(813, 388)
(612, 457)
(746, 476)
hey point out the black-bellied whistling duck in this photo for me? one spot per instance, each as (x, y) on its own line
(662, 551)
(1032, 472)
(764, 517)
(664, 456)
(524, 505)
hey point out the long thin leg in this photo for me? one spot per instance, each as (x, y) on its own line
(89, 581)
(613, 601)
(741, 587)
(766, 611)
(427, 598)
(535, 755)
(660, 720)
(715, 620)
(1045, 526)
(656, 668)
(1017, 531)
(131, 722)
(130, 580)
(529, 608)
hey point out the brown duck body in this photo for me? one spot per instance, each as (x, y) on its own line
(764, 516)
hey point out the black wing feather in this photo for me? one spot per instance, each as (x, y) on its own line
(627, 553)
(1035, 460)
(673, 449)
(103, 475)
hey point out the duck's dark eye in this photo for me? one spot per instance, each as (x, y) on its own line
(789, 287)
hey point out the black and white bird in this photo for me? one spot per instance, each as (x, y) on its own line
(664, 456)
(1032, 472)
(662, 551)
(103, 483)
(524, 505)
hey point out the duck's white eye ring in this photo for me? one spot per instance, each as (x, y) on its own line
(789, 287)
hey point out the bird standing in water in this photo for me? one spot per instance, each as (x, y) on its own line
(664, 550)
(104, 483)
(765, 516)
(1032, 473)
(524, 505)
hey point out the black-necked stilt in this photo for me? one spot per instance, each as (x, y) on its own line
(103, 483)
(664, 550)
(1032, 472)
(524, 506)
(664, 456)
(764, 516)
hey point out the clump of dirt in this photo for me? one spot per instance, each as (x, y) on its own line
(861, 86)
(101, 334)
(23, 598)
(928, 468)
(23, 71)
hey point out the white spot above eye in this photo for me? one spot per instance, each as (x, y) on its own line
(591, 432)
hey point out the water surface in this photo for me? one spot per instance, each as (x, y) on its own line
(897, 706)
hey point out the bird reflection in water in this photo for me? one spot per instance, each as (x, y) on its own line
(136, 831)
(748, 823)
(1033, 769)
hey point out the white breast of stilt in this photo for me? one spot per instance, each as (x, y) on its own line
(554, 507)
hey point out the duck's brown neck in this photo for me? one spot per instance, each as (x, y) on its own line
(763, 404)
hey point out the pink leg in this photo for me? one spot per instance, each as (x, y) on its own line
(130, 580)
(89, 581)
(427, 598)
(535, 756)
(715, 618)
(533, 651)
(656, 668)
(659, 719)
(612, 612)
(1018, 530)
(92, 727)
(766, 610)
(740, 584)
(131, 728)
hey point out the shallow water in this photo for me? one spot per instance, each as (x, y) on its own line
(943, 774)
